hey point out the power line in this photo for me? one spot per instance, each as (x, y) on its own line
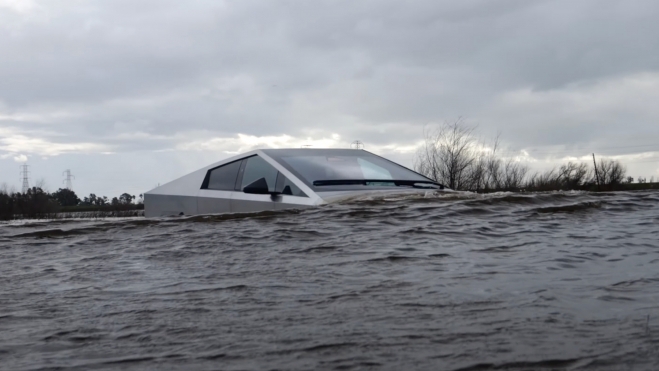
(69, 176)
(561, 156)
(634, 146)
(638, 161)
(567, 152)
(573, 150)
(25, 174)
(656, 160)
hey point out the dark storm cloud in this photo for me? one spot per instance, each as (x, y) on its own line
(93, 52)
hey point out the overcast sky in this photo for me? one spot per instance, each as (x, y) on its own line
(128, 94)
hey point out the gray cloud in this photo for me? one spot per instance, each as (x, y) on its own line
(83, 78)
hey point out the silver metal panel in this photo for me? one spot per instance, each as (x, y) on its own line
(285, 202)
(189, 185)
(249, 203)
(185, 186)
(214, 202)
(167, 205)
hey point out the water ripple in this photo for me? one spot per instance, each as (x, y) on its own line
(548, 281)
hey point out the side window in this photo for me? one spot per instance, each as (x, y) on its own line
(257, 168)
(287, 187)
(222, 178)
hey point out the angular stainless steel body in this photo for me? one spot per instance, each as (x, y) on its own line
(185, 196)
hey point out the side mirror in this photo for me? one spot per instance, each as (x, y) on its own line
(260, 187)
(257, 187)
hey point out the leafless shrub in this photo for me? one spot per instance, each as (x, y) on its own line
(610, 172)
(503, 175)
(543, 181)
(573, 176)
(452, 155)
(567, 177)
(449, 155)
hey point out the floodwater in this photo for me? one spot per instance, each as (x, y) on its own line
(556, 281)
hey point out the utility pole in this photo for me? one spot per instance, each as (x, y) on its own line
(69, 176)
(358, 144)
(25, 173)
(597, 175)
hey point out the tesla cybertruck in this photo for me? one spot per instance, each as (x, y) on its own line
(278, 179)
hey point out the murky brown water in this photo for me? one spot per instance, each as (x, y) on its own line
(561, 281)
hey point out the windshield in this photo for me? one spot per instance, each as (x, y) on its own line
(355, 166)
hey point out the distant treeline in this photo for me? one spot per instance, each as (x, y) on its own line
(453, 156)
(37, 203)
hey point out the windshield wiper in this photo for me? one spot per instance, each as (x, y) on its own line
(409, 183)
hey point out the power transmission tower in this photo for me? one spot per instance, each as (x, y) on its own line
(69, 176)
(25, 173)
(358, 144)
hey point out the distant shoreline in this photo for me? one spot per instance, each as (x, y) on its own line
(588, 188)
(104, 208)
(137, 210)
(87, 212)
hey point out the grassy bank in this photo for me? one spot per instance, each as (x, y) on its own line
(637, 186)
(106, 211)
(82, 213)
(104, 208)
(584, 187)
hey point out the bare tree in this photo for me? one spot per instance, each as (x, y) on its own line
(611, 172)
(449, 154)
